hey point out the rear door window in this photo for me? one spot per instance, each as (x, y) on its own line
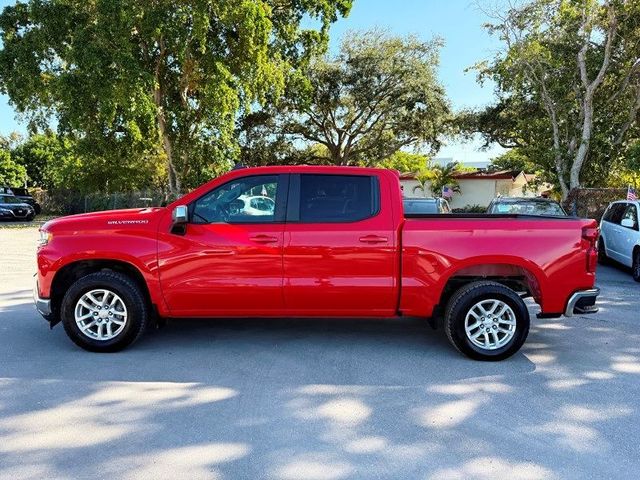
(338, 198)
(615, 212)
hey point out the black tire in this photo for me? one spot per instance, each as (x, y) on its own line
(635, 266)
(602, 253)
(132, 297)
(465, 299)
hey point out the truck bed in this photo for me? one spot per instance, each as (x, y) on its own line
(486, 216)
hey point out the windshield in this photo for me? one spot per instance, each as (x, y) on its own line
(529, 208)
(9, 199)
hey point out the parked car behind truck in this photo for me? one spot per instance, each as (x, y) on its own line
(526, 206)
(426, 205)
(12, 208)
(338, 244)
(620, 238)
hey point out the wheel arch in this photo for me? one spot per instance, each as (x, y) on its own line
(71, 272)
(511, 273)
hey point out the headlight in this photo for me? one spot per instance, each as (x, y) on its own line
(45, 238)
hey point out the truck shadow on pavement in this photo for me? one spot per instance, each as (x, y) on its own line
(316, 399)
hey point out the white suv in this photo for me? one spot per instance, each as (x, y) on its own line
(620, 235)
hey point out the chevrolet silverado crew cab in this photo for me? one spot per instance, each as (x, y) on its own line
(336, 243)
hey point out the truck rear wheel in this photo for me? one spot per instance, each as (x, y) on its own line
(104, 312)
(486, 321)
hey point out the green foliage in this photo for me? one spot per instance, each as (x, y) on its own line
(424, 176)
(378, 95)
(42, 156)
(436, 177)
(12, 174)
(568, 87)
(513, 159)
(138, 82)
(405, 162)
(444, 176)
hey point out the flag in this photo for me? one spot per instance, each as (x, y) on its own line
(631, 194)
(447, 192)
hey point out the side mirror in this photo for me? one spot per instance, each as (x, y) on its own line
(180, 215)
(180, 218)
(628, 223)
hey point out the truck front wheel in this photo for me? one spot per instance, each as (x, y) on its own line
(104, 312)
(486, 321)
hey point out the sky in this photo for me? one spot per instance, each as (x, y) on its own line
(457, 22)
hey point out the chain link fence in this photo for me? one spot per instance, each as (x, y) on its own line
(68, 202)
(592, 202)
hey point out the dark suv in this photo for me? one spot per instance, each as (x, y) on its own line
(12, 208)
(23, 195)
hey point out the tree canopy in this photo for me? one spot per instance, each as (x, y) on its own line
(155, 80)
(405, 162)
(12, 174)
(380, 93)
(568, 85)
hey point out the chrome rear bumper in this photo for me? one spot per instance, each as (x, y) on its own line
(582, 302)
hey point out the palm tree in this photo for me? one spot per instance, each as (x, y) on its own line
(423, 177)
(444, 176)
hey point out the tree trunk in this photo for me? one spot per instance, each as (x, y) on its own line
(583, 149)
(174, 180)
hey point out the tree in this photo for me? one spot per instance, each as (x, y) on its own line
(424, 178)
(568, 84)
(12, 174)
(405, 162)
(158, 79)
(40, 155)
(378, 95)
(513, 159)
(444, 176)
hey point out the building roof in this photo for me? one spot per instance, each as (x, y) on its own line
(479, 175)
(484, 175)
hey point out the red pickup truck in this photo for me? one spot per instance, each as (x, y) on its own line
(311, 242)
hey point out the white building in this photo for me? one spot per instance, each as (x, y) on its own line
(479, 188)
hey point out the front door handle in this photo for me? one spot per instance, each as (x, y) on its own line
(373, 239)
(263, 239)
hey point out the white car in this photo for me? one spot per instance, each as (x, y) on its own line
(620, 235)
(255, 205)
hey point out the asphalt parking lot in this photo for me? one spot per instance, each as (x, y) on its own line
(316, 399)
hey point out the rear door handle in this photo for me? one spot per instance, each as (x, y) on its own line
(373, 239)
(263, 239)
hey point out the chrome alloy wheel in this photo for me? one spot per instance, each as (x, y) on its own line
(100, 314)
(490, 324)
